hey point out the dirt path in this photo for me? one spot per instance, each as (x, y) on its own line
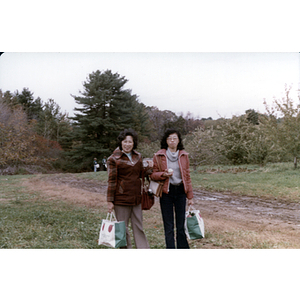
(276, 221)
(250, 209)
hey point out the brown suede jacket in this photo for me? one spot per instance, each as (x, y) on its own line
(124, 183)
(184, 165)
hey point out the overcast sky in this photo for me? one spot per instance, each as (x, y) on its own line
(205, 84)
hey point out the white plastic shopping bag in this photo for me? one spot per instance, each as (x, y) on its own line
(194, 224)
(112, 232)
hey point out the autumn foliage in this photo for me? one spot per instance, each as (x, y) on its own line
(19, 143)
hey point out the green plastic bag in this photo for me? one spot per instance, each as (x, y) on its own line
(194, 224)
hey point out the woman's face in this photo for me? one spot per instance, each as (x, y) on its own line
(173, 141)
(127, 144)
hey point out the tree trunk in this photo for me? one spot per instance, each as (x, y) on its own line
(295, 162)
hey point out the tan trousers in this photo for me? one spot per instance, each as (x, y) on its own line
(124, 213)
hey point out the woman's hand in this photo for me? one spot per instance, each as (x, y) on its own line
(110, 206)
(190, 202)
(150, 163)
(168, 173)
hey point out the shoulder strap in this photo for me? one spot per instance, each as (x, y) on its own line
(158, 162)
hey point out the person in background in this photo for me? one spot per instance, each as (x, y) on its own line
(125, 169)
(104, 163)
(95, 164)
(175, 172)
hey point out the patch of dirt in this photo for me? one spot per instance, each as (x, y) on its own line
(69, 188)
(274, 220)
(249, 209)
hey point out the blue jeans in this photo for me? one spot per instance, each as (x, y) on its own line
(175, 199)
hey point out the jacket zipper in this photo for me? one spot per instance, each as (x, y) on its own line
(180, 167)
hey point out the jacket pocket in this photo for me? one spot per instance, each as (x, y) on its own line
(121, 187)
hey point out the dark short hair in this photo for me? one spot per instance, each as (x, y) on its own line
(122, 137)
(168, 132)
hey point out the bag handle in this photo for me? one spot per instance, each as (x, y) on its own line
(110, 215)
(158, 163)
(143, 177)
(190, 208)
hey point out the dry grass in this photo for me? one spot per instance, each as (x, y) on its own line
(64, 192)
(225, 233)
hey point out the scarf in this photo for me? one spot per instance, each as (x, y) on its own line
(173, 164)
(172, 156)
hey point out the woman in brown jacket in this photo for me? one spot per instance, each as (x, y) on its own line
(125, 168)
(171, 164)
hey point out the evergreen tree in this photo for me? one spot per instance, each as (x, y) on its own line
(31, 107)
(8, 98)
(141, 121)
(53, 125)
(106, 108)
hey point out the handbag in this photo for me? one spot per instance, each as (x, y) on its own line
(156, 187)
(112, 233)
(147, 196)
(194, 224)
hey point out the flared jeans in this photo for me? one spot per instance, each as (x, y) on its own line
(174, 202)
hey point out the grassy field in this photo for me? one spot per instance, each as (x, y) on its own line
(29, 219)
(272, 181)
(279, 180)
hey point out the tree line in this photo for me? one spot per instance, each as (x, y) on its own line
(36, 133)
(30, 130)
(251, 138)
